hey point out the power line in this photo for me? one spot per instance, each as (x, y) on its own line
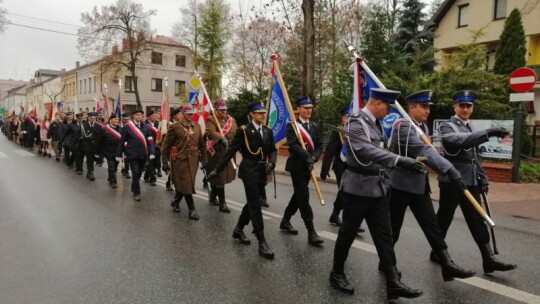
(38, 28)
(43, 20)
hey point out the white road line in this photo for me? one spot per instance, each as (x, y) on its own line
(497, 288)
(24, 153)
(2, 155)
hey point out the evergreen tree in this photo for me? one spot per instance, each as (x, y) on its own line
(510, 53)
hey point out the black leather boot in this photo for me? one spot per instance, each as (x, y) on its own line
(339, 281)
(313, 238)
(264, 202)
(176, 202)
(192, 214)
(240, 236)
(286, 226)
(212, 199)
(168, 186)
(334, 218)
(433, 257)
(491, 263)
(222, 203)
(264, 249)
(395, 288)
(451, 270)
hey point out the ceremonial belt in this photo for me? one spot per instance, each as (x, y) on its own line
(379, 172)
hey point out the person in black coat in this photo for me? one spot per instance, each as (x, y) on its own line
(66, 138)
(256, 144)
(108, 145)
(125, 168)
(54, 133)
(29, 131)
(154, 166)
(91, 132)
(71, 139)
(299, 164)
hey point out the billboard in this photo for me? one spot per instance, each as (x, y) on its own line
(500, 148)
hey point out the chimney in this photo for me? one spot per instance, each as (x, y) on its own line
(115, 49)
(77, 64)
(125, 44)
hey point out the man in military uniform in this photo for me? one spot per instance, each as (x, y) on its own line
(413, 190)
(364, 187)
(460, 147)
(256, 144)
(334, 155)
(55, 134)
(91, 133)
(125, 169)
(299, 164)
(108, 146)
(137, 144)
(182, 147)
(154, 165)
(72, 137)
(217, 144)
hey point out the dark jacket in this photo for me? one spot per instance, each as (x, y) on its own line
(72, 135)
(90, 137)
(297, 161)
(332, 155)
(55, 131)
(109, 141)
(133, 147)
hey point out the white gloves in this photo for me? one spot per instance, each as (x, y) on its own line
(118, 159)
(152, 156)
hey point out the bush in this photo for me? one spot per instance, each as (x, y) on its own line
(530, 173)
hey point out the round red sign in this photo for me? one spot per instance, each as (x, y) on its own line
(522, 80)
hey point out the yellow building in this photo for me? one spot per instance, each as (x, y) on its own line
(455, 19)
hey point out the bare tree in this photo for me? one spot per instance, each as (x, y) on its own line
(308, 7)
(185, 30)
(3, 20)
(124, 21)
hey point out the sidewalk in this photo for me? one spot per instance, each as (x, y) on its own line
(521, 200)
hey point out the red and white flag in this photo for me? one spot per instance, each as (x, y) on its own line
(202, 108)
(163, 114)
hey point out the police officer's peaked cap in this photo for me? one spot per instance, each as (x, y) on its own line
(257, 108)
(79, 115)
(137, 111)
(344, 111)
(113, 116)
(304, 102)
(423, 97)
(385, 95)
(151, 112)
(92, 114)
(69, 114)
(465, 96)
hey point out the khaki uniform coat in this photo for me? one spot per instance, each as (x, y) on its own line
(184, 167)
(212, 132)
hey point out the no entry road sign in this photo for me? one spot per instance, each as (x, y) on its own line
(522, 80)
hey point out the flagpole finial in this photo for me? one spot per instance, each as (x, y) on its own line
(359, 59)
(274, 57)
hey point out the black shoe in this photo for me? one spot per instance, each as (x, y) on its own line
(39, 152)
(287, 227)
(491, 263)
(176, 206)
(314, 239)
(49, 155)
(90, 176)
(433, 257)
(153, 183)
(361, 230)
(127, 176)
(137, 197)
(264, 203)
(265, 251)
(146, 179)
(159, 175)
(340, 282)
(113, 185)
(57, 159)
(334, 219)
(450, 270)
(168, 186)
(79, 172)
(240, 236)
(193, 215)
(224, 208)
(396, 289)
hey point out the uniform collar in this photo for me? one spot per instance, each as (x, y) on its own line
(369, 114)
(257, 126)
(463, 121)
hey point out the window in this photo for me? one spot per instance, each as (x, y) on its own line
(157, 58)
(181, 61)
(84, 86)
(463, 15)
(79, 90)
(179, 87)
(499, 9)
(95, 80)
(89, 85)
(156, 84)
(129, 84)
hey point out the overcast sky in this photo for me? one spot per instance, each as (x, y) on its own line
(25, 50)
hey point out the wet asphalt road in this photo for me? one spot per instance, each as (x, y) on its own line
(64, 239)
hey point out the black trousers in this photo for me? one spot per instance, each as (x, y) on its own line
(375, 211)
(89, 161)
(252, 209)
(112, 167)
(422, 208)
(451, 196)
(300, 197)
(68, 156)
(136, 166)
(78, 157)
(338, 203)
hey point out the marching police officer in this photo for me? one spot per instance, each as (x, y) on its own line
(91, 133)
(182, 147)
(137, 144)
(154, 166)
(256, 144)
(460, 146)
(413, 190)
(219, 143)
(364, 185)
(299, 164)
(108, 145)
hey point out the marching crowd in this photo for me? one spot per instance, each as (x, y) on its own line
(377, 178)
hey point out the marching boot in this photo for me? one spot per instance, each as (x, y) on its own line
(168, 186)
(451, 270)
(286, 226)
(433, 257)
(212, 199)
(491, 263)
(192, 214)
(264, 202)
(264, 249)
(205, 183)
(221, 196)
(339, 281)
(395, 288)
(176, 202)
(238, 234)
(334, 218)
(91, 176)
(313, 238)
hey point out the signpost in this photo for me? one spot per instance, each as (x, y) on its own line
(521, 81)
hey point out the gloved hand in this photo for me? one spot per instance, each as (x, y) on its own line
(152, 156)
(455, 176)
(224, 142)
(411, 165)
(165, 167)
(212, 174)
(497, 131)
(484, 189)
(118, 159)
(324, 175)
(269, 167)
(23, 132)
(96, 156)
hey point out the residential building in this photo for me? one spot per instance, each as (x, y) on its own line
(15, 100)
(7, 85)
(455, 19)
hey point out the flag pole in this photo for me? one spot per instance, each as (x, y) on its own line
(213, 113)
(423, 136)
(293, 124)
(164, 112)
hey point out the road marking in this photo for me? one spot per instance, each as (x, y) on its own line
(24, 153)
(241, 205)
(2, 155)
(503, 290)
